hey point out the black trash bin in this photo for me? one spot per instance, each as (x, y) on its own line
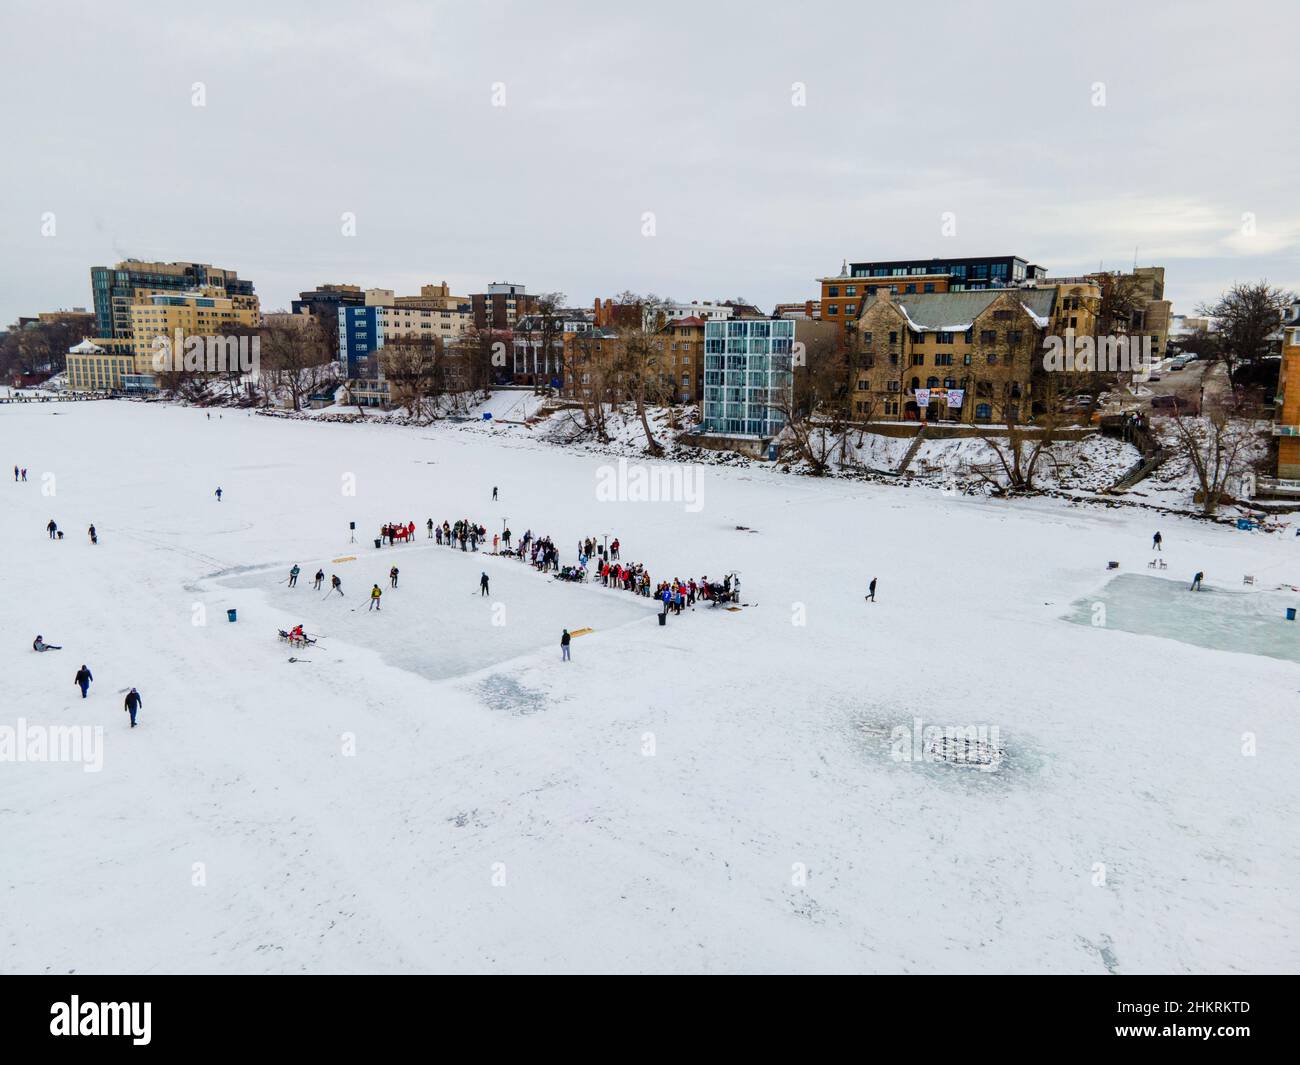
(663, 618)
(379, 543)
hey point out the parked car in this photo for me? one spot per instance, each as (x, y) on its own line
(1178, 363)
(1174, 403)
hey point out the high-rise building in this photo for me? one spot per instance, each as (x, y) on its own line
(747, 376)
(114, 288)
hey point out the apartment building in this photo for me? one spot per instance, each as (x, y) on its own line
(503, 304)
(113, 288)
(954, 356)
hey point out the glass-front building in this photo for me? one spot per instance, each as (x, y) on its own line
(747, 375)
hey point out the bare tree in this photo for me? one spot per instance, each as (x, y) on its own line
(1028, 443)
(1216, 445)
(815, 408)
(639, 371)
(1248, 315)
(412, 368)
(298, 358)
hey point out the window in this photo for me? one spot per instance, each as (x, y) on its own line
(988, 336)
(993, 360)
(893, 337)
(943, 338)
(983, 412)
(932, 382)
(918, 359)
(929, 286)
(850, 290)
(943, 360)
(832, 308)
(909, 289)
(834, 290)
(893, 386)
(1002, 316)
(866, 338)
(1014, 336)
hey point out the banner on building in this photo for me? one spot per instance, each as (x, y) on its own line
(955, 397)
(922, 397)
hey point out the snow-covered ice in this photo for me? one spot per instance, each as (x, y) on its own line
(432, 791)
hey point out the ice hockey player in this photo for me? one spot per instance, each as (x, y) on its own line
(94, 536)
(320, 576)
(293, 576)
(392, 577)
(1196, 581)
(375, 593)
(133, 704)
(217, 493)
(564, 646)
(336, 585)
(83, 679)
(483, 584)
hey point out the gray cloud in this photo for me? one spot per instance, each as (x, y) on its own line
(683, 110)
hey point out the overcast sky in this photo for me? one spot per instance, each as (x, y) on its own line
(686, 111)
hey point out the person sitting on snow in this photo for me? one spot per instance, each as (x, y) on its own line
(40, 645)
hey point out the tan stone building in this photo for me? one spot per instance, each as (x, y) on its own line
(951, 356)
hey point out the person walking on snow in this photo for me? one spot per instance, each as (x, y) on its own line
(483, 584)
(1156, 541)
(1196, 582)
(39, 644)
(293, 576)
(336, 585)
(494, 493)
(24, 473)
(564, 646)
(392, 577)
(94, 536)
(429, 526)
(217, 493)
(15, 473)
(52, 528)
(871, 591)
(83, 679)
(133, 704)
(375, 594)
(320, 576)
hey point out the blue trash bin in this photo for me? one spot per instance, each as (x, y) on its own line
(230, 614)
(1290, 613)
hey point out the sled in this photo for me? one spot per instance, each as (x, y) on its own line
(581, 632)
(345, 558)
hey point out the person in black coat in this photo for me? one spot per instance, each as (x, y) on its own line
(83, 679)
(133, 703)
